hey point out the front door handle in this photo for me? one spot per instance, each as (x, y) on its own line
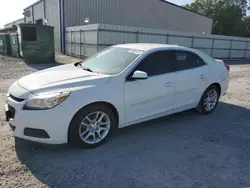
(169, 84)
(202, 76)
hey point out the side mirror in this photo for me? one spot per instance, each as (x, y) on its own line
(139, 75)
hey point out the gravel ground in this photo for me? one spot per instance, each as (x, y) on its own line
(183, 150)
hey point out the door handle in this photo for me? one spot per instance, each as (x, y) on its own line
(202, 76)
(168, 84)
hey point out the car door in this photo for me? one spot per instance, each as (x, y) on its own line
(145, 98)
(191, 79)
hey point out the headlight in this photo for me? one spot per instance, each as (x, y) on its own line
(44, 102)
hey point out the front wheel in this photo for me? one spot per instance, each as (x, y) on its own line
(209, 100)
(91, 126)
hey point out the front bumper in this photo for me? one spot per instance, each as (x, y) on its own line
(54, 122)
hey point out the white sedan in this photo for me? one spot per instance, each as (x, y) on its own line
(122, 85)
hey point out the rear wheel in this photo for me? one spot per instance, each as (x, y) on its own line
(92, 125)
(209, 100)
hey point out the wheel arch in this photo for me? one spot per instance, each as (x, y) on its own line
(109, 105)
(113, 108)
(199, 108)
(217, 85)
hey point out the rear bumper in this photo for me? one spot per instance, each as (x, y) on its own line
(224, 87)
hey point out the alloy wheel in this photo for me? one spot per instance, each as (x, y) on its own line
(210, 100)
(94, 127)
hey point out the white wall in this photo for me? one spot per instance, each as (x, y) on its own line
(82, 40)
(38, 11)
(99, 36)
(29, 19)
(53, 17)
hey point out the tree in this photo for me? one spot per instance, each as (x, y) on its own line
(246, 22)
(229, 21)
(205, 7)
(228, 15)
(242, 4)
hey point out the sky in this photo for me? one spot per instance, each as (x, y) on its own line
(11, 10)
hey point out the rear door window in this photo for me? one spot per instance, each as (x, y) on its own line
(187, 60)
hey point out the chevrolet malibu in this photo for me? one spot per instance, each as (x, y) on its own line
(85, 102)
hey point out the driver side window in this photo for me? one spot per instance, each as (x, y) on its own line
(157, 63)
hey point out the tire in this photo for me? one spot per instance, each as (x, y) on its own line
(81, 125)
(202, 108)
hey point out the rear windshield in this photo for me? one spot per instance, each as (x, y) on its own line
(206, 56)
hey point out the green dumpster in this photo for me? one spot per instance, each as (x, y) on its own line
(37, 43)
(5, 48)
(14, 42)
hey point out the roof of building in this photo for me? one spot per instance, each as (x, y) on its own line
(14, 21)
(147, 46)
(33, 4)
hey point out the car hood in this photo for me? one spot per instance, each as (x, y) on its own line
(64, 77)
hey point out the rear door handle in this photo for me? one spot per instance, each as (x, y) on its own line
(169, 84)
(202, 76)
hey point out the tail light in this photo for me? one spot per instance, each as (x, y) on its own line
(221, 61)
(228, 67)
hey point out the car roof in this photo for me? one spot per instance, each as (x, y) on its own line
(149, 46)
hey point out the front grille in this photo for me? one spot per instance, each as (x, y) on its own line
(12, 112)
(16, 99)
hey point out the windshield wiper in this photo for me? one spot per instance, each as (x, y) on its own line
(85, 68)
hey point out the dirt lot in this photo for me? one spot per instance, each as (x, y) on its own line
(183, 150)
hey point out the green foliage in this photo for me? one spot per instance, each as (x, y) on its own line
(229, 16)
(246, 24)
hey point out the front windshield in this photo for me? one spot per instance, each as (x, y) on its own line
(112, 60)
